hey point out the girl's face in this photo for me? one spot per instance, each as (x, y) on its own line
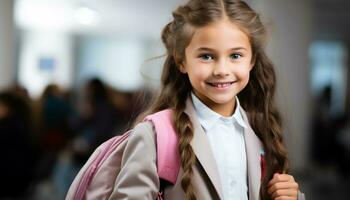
(218, 61)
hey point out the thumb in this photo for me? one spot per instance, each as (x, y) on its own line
(276, 175)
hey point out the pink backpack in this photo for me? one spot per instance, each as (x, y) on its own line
(96, 178)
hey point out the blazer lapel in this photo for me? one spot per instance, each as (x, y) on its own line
(253, 149)
(202, 149)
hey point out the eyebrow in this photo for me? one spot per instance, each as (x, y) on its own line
(210, 49)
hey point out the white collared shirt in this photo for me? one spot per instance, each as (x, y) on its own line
(226, 137)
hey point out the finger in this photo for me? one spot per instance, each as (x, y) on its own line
(285, 192)
(281, 178)
(282, 185)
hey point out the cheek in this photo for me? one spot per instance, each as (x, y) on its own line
(198, 72)
(243, 73)
(197, 76)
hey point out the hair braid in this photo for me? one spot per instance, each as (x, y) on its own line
(187, 156)
(184, 130)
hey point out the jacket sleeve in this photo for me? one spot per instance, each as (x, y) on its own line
(138, 178)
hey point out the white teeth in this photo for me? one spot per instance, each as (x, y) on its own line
(221, 85)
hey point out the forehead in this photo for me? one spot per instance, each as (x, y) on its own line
(219, 35)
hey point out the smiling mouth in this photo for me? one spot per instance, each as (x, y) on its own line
(221, 85)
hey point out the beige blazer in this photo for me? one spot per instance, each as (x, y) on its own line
(138, 177)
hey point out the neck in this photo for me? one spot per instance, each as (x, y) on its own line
(225, 110)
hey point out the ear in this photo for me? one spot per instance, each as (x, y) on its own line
(182, 67)
(180, 63)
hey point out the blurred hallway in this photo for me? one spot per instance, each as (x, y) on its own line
(72, 72)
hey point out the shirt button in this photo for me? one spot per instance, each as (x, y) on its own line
(233, 183)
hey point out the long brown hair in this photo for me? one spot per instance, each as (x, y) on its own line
(257, 98)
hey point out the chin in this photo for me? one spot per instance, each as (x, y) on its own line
(223, 100)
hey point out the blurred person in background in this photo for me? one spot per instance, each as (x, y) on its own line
(56, 112)
(323, 137)
(104, 113)
(17, 153)
(330, 147)
(98, 121)
(328, 142)
(53, 114)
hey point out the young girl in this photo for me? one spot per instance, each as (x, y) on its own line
(220, 85)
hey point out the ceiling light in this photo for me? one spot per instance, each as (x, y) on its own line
(87, 16)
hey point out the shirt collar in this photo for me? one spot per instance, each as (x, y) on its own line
(208, 117)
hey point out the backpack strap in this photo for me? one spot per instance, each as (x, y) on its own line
(168, 159)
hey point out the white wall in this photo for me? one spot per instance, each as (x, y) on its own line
(116, 60)
(38, 45)
(7, 45)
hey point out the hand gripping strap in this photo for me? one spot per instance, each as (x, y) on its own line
(168, 159)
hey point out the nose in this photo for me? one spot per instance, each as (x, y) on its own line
(221, 68)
